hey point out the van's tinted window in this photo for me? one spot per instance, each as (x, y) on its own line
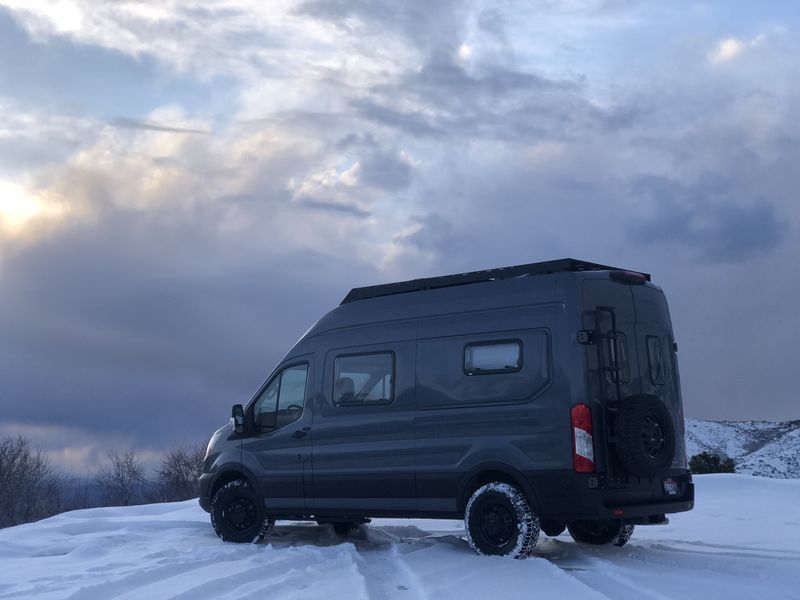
(284, 396)
(363, 378)
(615, 355)
(492, 357)
(655, 358)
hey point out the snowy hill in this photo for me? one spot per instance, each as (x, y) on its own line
(758, 447)
(170, 551)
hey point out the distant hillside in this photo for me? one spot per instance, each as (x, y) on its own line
(758, 447)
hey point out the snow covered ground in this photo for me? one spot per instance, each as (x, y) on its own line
(742, 541)
(770, 449)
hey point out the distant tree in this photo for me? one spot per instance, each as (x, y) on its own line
(30, 487)
(179, 472)
(122, 482)
(709, 462)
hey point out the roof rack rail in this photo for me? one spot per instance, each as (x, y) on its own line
(429, 283)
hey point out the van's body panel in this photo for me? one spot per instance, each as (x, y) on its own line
(421, 452)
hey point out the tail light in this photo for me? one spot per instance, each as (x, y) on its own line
(582, 443)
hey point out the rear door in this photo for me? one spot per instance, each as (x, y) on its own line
(657, 357)
(613, 358)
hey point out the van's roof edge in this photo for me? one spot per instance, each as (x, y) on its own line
(428, 283)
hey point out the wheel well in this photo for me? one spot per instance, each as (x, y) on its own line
(488, 476)
(225, 478)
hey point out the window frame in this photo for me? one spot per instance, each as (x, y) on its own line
(251, 407)
(610, 353)
(473, 373)
(381, 402)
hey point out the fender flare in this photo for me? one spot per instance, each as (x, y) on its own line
(234, 468)
(510, 472)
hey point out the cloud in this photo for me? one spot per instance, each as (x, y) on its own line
(709, 218)
(127, 123)
(207, 222)
(729, 48)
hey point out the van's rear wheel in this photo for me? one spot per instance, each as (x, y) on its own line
(238, 515)
(553, 527)
(599, 532)
(499, 521)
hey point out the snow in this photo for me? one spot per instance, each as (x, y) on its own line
(741, 541)
(762, 448)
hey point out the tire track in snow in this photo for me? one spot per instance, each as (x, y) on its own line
(387, 577)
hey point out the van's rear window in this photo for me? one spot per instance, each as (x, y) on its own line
(493, 357)
(363, 379)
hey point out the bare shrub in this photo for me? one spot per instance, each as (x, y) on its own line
(122, 482)
(179, 472)
(30, 487)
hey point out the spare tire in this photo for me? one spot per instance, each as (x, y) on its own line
(645, 436)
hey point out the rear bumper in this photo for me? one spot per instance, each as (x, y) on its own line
(566, 495)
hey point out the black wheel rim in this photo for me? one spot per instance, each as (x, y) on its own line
(652, 436)
(598, 529)
(240, 513)
(498, 525)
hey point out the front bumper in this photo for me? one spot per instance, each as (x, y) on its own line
(205, 488)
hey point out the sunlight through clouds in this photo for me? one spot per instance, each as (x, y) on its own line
(19, 207)
(186, 185)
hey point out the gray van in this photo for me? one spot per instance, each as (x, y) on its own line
(525, 399)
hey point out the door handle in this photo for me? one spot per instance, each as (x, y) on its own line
(300, 433)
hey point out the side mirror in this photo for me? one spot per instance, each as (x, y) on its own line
(237, 415)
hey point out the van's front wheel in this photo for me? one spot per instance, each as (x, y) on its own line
(499, 521)
(600, 532)
(238, 515)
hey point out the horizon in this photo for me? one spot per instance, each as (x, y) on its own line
(185, 189)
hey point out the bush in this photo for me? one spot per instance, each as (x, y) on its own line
(709, 462)
(30, 488)
(179, 472)
(122, 483)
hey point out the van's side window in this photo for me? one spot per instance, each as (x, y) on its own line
(283, 398)
(616, 356)
(363, 379)
(481, 358)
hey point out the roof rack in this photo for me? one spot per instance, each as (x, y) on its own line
(429, 283)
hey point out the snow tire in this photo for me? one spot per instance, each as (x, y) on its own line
(599, 532)
(553, 527)
(499, 521)
(238, 514)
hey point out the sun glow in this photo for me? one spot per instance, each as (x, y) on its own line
(18, 206)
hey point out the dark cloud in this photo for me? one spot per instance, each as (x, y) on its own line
(494, 102)
(341, 208)
(187, 265)
(709, 217)
(385, 170)
(149, 328)
(126, 123)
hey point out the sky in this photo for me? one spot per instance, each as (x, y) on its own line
(186, 186)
